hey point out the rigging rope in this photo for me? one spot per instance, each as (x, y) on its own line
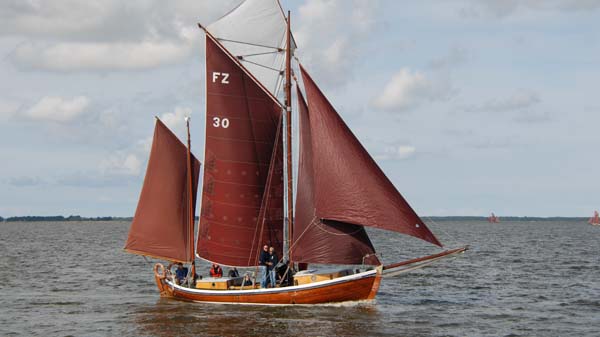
(251, 44)
(452, 238)
(257, 54)
(261, 65)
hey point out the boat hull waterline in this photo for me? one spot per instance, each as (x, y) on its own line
(356, 287)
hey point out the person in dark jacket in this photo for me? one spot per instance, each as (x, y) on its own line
(262, 263)
(233, 273)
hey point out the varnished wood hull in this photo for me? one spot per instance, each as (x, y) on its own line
(357, 287)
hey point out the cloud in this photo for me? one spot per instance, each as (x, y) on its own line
(72, 35)
(175, 120)
(106, 20)
(456, 56)
(330, 35)
(519, 100)
(529, 116)
(505, 8)
(58, 109)
(396, 152)
(77, 56)
(408, 89)
(8, 108)
(24, 181)
(121, 164)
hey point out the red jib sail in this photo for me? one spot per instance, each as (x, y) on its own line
(349, 187)
(240, 212)
(317, 240)
(160, 226)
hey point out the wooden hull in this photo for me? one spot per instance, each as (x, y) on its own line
(357, 287)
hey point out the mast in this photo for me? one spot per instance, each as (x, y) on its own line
(288, 128)
(190, 196)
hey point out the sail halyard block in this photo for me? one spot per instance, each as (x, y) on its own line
(350, 187)
(160, 227)
(242, 121)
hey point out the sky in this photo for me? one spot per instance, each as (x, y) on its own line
(468, 106)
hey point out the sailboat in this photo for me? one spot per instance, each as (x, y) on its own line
(595, 220)
(493, 218)
(248, 189)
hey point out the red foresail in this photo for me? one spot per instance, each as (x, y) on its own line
(316, 240)
(160, 226)
(349, 187)
(242, 156)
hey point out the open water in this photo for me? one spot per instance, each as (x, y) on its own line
(519, 279)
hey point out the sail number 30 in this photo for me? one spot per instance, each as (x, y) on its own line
(220, 122)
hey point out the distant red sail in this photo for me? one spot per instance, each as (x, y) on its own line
(316, 240)
(349, 186)
(241, 156)
(160, 226)
(595, 220)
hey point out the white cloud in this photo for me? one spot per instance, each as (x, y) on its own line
(119, 163)
(396, 152)
(330, 34)
(455, 57)
(58, 109)
(519, 100)
(106, 20)
(71, 35)
(505, 8)
(407, 89)
(175, 120)
(75, 56)
(26, 181)
(8, 108)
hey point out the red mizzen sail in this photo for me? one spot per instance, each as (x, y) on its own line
(349, 187)
(317, 240)
(242, 204)
(160, 227)
(595, 220)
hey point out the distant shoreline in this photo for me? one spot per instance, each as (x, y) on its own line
(60, 218)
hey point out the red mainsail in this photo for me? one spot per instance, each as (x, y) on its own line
(348, 185)
(242, 207)
(160, 227)
(317, 240)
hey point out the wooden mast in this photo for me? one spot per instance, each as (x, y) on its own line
(288, 128)
(190, 195)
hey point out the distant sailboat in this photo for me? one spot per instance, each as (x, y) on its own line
(595, 220)
(493, 218)
(247, 181)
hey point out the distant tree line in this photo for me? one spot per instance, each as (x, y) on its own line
(502, 218)
(31, 218)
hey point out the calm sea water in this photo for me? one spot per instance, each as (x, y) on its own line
(519, 279)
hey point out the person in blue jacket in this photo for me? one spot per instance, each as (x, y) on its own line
(181, 273)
